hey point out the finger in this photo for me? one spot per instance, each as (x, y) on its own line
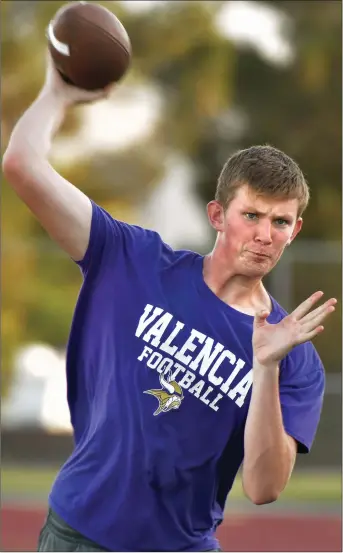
(260, 317)
(87, 97)
(48, 57)
(108, 90)
(306, 305)
(319, 310)
(316, 321)
(310, 335)
(50, 64)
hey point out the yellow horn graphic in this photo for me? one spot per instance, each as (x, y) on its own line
(168, 398)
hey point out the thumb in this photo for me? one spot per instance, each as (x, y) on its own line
(260, 317)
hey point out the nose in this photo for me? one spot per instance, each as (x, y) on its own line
(263, 233)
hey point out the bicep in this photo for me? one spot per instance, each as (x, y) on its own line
(62, 209)
(302, 386)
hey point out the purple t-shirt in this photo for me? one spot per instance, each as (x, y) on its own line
(159, 374)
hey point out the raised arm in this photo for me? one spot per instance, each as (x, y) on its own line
(63, 210)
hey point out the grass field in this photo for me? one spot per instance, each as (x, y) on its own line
(309, 519)
(303, 486)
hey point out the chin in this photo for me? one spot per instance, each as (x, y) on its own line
(254, 274)
(256, 270)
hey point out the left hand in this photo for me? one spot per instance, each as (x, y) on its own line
(272, 342)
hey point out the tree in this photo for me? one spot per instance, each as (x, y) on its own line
(218, 97)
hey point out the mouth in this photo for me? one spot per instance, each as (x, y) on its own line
(259, 254)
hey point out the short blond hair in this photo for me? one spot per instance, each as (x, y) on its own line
(268, 171)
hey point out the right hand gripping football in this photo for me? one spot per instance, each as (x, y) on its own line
(69, 94)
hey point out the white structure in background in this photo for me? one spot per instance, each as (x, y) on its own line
(242, 21)
(259, 25)
(131, 113)
(38, 393)
(37, 398)
(127, 116)
(174, 210)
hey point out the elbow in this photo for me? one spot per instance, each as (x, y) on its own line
(261, 496)
(10, 164)
(14, 166)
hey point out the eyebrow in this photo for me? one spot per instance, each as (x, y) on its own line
(263, 213)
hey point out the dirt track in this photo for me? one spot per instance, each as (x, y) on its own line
(20, 528)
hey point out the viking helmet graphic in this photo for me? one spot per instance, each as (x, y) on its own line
(171, 394)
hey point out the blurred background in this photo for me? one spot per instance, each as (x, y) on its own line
(207, 78)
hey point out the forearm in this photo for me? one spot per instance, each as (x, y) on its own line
(33, 133)
(268, 456)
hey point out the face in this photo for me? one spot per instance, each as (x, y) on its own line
(254, 230)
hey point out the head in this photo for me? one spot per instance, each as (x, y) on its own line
(260, 198)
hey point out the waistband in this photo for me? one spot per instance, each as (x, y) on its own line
(60, 527)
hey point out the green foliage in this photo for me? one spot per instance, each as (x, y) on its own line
(204, 79)
(296, 108)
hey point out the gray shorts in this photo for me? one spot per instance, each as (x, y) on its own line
(57, 535)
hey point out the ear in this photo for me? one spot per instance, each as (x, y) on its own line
(216, 215)
(296, 230)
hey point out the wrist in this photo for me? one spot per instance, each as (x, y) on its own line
(265, 376)
(271, 367)
(56, 98)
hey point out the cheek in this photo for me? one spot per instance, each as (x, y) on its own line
(281, 238)
(236, 237)
(234, 233)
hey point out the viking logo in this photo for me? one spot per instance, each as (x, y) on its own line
(170, 396)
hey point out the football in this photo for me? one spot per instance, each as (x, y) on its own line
(89, 45)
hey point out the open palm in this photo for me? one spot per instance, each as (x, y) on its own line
(272, 342)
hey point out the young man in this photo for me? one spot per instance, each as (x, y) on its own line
(179, 366)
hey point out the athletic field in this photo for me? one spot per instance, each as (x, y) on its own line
(306, 518)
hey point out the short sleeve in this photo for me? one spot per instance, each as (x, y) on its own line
(302, 383)
(111, 239)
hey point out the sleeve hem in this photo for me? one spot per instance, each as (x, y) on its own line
(85, 261)
(302, 446)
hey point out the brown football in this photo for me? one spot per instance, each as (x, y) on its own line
(89, 45)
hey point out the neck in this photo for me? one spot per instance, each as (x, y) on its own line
(242, 292)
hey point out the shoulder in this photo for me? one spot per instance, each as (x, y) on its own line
(113, 240)
(103, 222)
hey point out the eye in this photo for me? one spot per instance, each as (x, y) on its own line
(281, 222)
(250, 216)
